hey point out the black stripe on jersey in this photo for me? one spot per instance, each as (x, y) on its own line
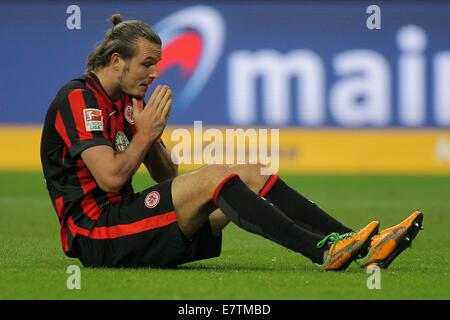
(91, 82)
(68, 120)
(80, 219)
(69, 239)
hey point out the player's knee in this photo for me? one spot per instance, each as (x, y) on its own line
(251, 175)
(216, 173)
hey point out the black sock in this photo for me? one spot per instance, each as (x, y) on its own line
(257, 215)
(300, 209)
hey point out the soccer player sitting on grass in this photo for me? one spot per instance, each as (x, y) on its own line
(97, 132)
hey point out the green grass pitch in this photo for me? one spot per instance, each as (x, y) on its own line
(33, 266)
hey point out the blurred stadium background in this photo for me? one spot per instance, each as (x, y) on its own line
(347, 100)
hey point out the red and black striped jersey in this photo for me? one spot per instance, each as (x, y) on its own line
(81, 116)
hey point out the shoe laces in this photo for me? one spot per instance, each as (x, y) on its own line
(334, 238)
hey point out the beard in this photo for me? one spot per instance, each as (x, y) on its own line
(123, 88)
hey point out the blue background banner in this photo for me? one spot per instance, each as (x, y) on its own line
(274, 64)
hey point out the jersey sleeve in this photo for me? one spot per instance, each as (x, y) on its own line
(80, 122)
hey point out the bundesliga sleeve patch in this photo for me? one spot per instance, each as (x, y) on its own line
(93, 119)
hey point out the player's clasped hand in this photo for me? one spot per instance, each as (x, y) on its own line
(152, 118)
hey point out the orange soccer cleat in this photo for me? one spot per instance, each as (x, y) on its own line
(389, 243)
(345, 248)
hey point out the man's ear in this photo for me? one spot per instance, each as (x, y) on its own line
(116, 61)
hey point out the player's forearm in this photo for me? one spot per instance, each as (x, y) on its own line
(125, 164)
(159, 163)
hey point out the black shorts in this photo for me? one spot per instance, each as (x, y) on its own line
(142, 231)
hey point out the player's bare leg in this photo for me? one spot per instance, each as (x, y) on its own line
(196, 195)
(192, 193)
(218, 221)
(251, 173)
